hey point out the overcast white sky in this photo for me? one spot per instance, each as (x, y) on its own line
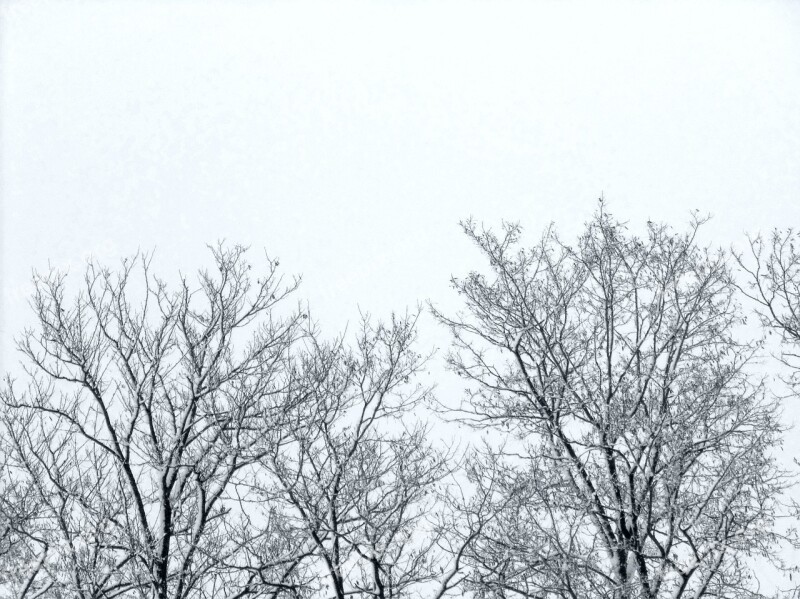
(349, 138)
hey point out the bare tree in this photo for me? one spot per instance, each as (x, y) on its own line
(360, 477)
(204, 442)
(636, 438)
(773, 283)
(24, 542)
(143, 414)
(55, 522)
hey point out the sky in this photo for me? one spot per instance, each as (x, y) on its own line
(350, 138)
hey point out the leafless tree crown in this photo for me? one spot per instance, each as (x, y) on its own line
(639, 460)
(205, 440)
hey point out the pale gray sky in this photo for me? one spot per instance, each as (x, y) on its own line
(349, 138)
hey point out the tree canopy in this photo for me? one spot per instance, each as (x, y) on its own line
(205, 439)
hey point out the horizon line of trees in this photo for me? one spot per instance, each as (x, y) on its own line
(205, 439)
